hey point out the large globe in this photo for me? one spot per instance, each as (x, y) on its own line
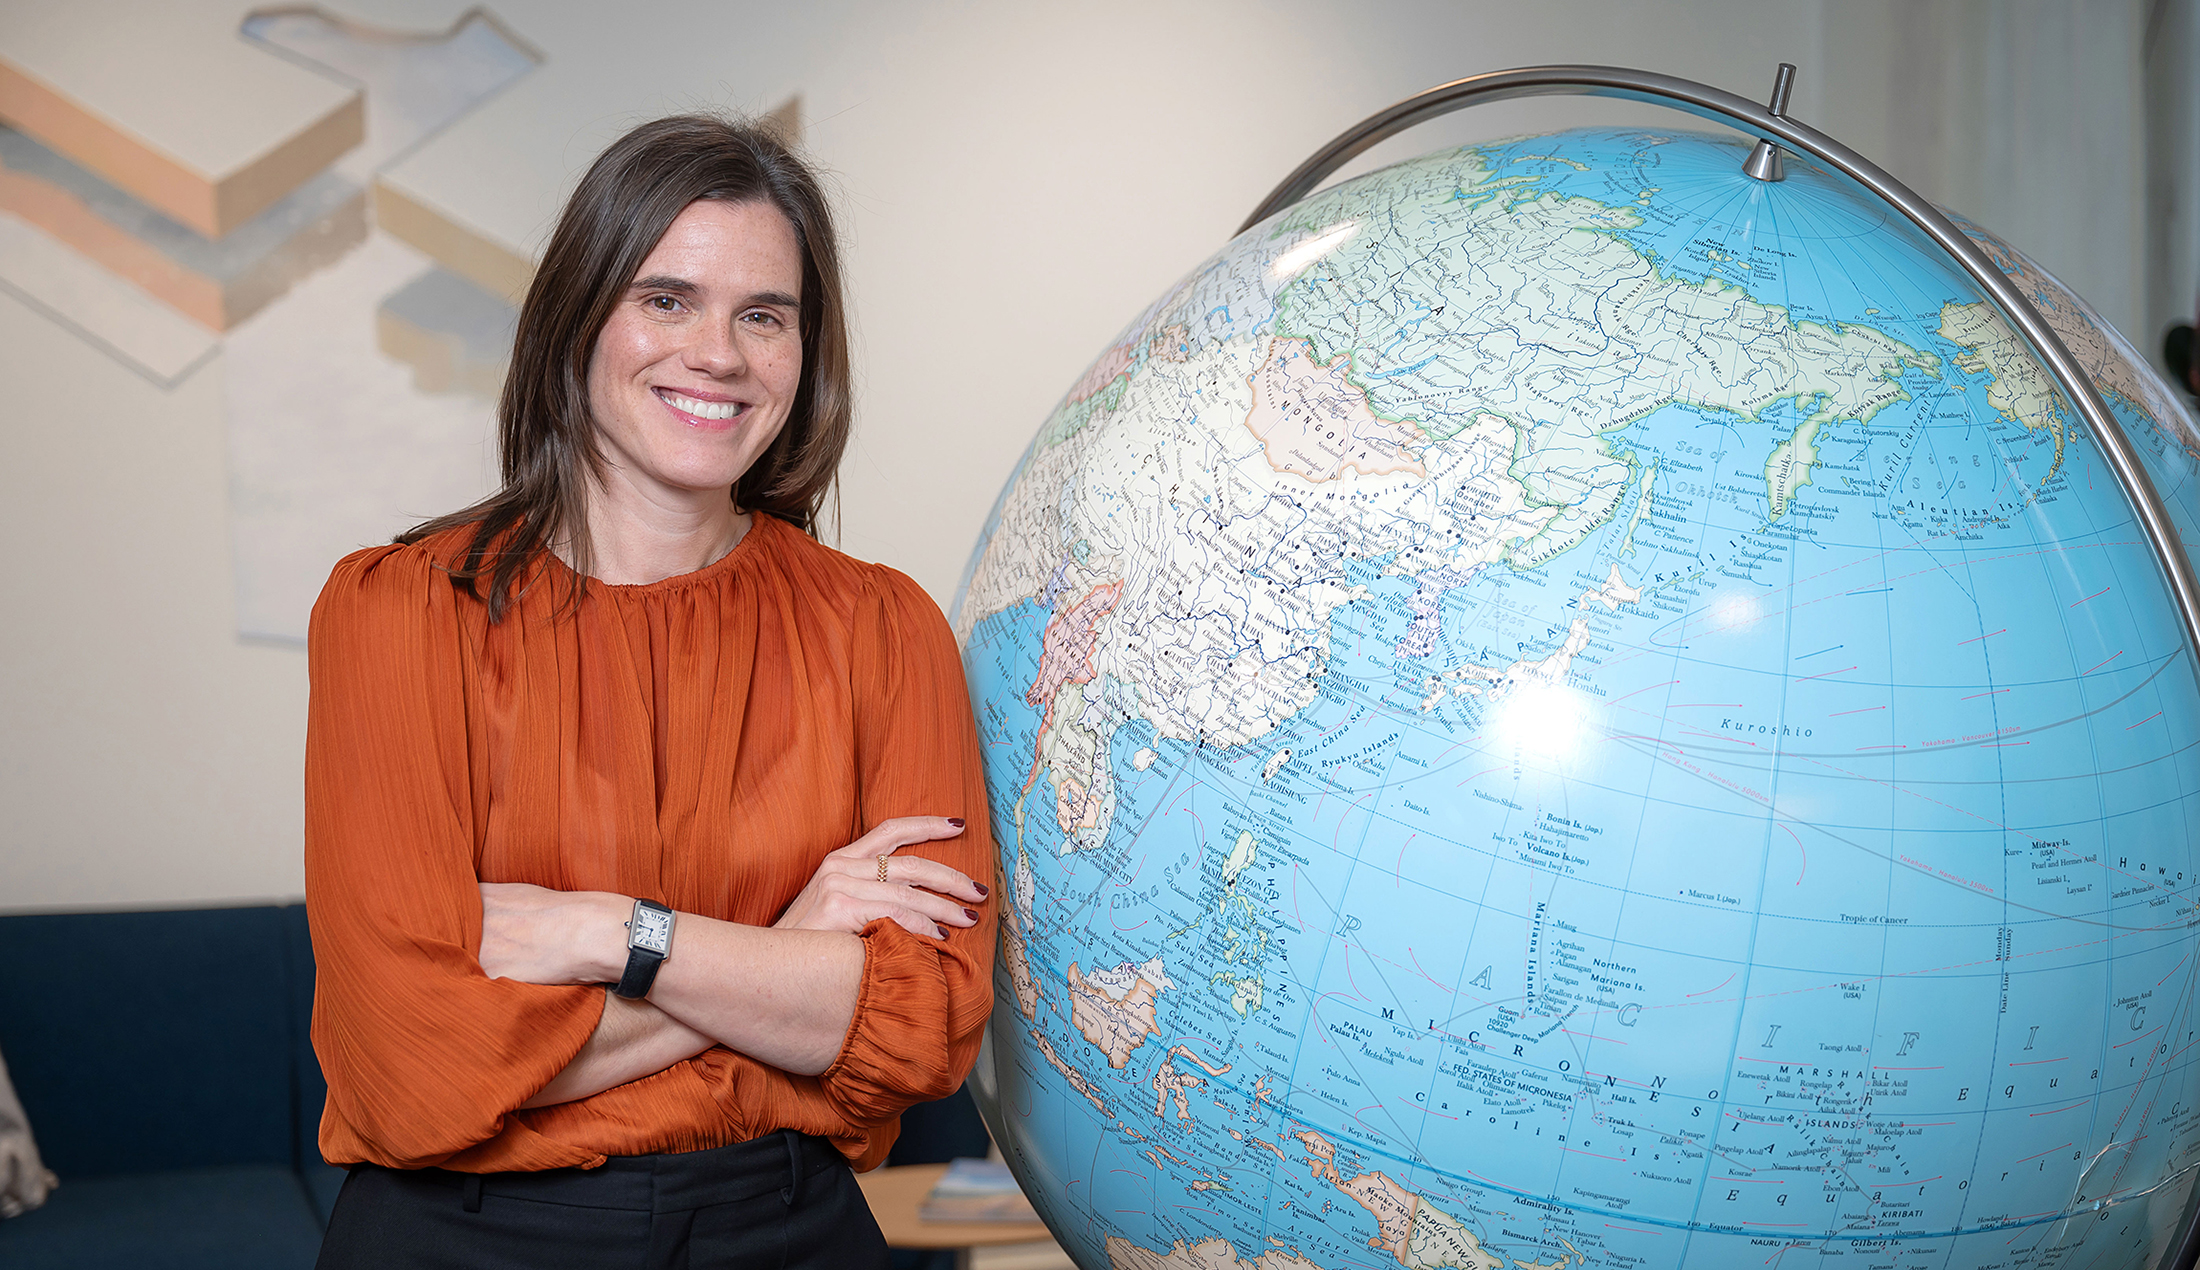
(1557, 704)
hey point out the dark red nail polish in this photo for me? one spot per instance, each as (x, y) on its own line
(971, 913)
(956, 821)
(983, 889)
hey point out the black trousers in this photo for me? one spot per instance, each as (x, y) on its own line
(785, 1200)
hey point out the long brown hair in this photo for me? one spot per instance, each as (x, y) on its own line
(546, 435)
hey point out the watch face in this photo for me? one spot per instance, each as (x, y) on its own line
(652, 929)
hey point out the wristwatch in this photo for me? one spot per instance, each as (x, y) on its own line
(648, 946)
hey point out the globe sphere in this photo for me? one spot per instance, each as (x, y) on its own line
(1560, 705)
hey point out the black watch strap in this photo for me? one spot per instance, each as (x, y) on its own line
(641, 962)
(641, 972)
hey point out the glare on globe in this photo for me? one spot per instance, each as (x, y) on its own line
(1561, 705)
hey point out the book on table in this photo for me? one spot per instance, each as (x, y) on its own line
(977, 1191)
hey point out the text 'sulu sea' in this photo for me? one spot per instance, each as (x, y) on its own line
(1557, 704)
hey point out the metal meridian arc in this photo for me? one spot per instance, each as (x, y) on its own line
(1747, 116)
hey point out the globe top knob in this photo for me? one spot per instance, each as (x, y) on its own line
(1764, 161)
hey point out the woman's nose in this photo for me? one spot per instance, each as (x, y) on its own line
(716, 351)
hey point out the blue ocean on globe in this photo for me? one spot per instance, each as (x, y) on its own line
(1558, 705)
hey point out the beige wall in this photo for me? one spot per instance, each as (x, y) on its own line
(148, 757)
(1018, 180)
(2035, 118)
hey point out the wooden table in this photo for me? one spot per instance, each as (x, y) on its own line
(897, 1191)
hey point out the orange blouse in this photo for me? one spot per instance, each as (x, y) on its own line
(702, 741)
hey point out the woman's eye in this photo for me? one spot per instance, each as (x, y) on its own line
(664, 304)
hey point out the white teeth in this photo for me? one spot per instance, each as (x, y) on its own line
(702, 409)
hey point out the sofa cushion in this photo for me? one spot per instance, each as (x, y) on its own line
(254, 1217)
(323, 1181)
(309, 1089)
(148, 1041)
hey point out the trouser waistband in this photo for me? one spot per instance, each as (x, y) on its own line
(663, 1183)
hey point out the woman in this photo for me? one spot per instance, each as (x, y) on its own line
(626, 707)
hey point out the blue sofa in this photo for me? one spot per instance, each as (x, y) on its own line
(164, 1062)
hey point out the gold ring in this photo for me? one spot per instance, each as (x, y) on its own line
(882, 868)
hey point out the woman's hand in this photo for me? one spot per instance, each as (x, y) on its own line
(537, 935)
(921, 895)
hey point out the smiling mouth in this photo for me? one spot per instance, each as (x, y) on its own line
(715, 411)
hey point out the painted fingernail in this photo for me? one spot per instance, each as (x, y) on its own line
(971, 913)
(956, 821)
(983, 889)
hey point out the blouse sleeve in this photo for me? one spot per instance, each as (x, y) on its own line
(425, 1055)
(923, 1002)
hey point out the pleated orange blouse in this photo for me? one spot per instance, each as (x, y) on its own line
(703, 741)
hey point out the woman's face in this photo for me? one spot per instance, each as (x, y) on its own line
(696, 370)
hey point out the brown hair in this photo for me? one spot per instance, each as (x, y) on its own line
(546, 435)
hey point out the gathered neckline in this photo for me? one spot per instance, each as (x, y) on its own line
(759, 523)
